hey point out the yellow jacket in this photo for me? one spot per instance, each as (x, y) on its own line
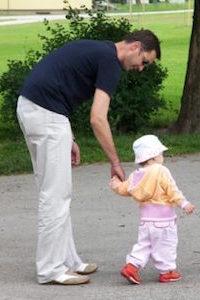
(156, 186)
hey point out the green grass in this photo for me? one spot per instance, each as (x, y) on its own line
(14, 156)
(177, 144)
(154, 7)
(174, 32)
(16, 40)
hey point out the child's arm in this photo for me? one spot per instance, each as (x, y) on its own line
(119, 187)
(174, 194)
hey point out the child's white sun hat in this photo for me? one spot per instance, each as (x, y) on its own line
(147, 147)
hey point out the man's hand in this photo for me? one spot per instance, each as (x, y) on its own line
(76, 158)
(117, 170)
(189, 208)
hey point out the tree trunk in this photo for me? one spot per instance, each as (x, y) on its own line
(189, 117)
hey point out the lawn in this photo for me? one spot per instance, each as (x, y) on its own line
(174, 32)
(154, 7)
(16, 40)
(14, 156)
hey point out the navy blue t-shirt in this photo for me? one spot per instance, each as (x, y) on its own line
(69, 75)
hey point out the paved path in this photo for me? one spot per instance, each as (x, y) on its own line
(13, 20)
(105, 227)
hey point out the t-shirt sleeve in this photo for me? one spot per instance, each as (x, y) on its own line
(108, 75)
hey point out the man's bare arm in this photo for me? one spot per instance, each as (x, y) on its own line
(102, 131)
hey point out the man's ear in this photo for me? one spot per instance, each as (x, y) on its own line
(135, 45)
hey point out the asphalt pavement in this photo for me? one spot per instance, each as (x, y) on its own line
(105, 228)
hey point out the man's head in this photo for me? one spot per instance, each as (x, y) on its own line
(138, 50)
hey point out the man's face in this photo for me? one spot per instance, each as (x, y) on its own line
(136, 58)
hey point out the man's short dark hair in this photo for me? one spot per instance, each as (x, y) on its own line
(147, 38)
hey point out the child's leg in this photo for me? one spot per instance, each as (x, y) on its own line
(140, 252)
(164, 242)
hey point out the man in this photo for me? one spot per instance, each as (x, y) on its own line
(56, 86)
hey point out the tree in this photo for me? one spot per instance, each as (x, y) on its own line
(189, 116)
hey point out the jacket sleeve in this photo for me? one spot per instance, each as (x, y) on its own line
(174, 195)
(120, 187)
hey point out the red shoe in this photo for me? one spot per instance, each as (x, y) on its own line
(170, 276)
(131, 273)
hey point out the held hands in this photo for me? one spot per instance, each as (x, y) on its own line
(189, 208)
(114, 182)
(117, 171)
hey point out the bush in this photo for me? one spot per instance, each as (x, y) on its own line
(137, 95)
(136, 98)
(10, 83)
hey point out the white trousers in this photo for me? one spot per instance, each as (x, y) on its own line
(156, 240)
(49, 139)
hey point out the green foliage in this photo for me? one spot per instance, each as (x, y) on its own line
(137, 95)
(136, 98)
(10, 83)
(98, 27)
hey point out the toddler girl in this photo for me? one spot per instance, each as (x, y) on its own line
(153, 187)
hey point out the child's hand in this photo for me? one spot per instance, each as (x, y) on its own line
(189, 208)
(114, 182)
